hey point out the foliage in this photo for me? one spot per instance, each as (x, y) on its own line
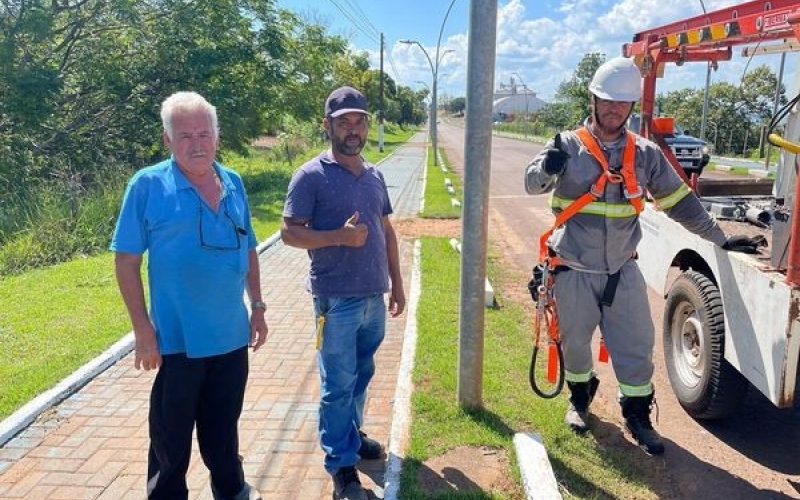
(59, 220)
(575, 91)
(558, 115)
(457, 105)
(736, 114)
(411, 108)
(313, 57)
(83, 81)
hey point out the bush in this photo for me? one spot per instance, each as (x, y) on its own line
(57, 221)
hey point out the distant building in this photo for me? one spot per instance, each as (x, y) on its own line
(514, 99)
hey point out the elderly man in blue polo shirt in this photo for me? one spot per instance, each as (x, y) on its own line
(337, 207)
(190, 214)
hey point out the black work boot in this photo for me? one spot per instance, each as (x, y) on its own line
(369, 449)
(636, 411)
(347, 485)
(580, 396)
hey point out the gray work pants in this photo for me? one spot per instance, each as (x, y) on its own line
(626, 325)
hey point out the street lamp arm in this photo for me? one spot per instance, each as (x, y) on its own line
(441, 32)
(413, 42)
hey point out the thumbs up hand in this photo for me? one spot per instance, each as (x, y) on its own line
(353, 233)
(555, 158)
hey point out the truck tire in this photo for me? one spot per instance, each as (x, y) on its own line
(706, 385)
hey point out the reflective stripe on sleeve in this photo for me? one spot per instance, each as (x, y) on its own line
(671, 200)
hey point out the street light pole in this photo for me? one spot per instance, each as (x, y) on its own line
(433, 99)
(434, 85)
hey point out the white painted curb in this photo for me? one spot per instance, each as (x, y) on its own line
(537, 474)
(488, 293)
(23, 417)
(401, 417)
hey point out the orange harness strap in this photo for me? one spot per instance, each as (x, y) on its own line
(627, 175)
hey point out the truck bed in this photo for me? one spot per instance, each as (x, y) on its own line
(761, 318)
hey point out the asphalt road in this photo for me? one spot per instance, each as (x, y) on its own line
(752, 455)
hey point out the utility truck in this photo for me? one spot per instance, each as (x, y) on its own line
(731, 320)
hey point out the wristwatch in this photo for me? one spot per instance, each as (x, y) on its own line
(257, 304)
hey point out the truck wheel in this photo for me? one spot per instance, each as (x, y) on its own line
(706, 385)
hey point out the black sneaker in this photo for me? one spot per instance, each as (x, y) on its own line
(369, 449)
(347, 486)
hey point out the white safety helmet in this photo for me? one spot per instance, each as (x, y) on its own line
(617, 79)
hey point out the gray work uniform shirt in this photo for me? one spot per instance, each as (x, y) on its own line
(601, 241)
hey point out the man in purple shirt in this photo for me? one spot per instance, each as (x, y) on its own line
(337, 207)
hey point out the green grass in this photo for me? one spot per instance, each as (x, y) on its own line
(584, 469)
(59, 317)
(266, 185)
(438, 204)
(62, 316)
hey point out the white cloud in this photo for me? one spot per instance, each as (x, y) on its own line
(543, 44)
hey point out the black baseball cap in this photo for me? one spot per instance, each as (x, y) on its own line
(345, 100)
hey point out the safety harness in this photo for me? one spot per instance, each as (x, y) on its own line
(541, 285)
(625, 175)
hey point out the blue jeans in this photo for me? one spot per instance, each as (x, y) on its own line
(354, 329)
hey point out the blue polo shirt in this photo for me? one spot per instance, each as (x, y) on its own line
(328, 194)
(197, 260)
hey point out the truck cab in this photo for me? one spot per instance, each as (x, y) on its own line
(692, 153)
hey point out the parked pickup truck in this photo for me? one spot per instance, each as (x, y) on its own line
(692, 153)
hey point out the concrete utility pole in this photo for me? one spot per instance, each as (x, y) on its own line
(475, 216)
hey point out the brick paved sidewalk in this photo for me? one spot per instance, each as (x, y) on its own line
(93, 445)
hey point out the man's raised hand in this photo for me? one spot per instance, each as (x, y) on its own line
(555, 158)
(353, 233)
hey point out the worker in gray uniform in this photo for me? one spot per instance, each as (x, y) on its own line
(597, 280)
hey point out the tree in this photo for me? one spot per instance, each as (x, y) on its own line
(575, 91)
(310, 63)
(82, 82)
(685, 105)
(736, 114)
(557, 116)
(457, 105)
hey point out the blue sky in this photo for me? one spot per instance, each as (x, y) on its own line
(539, 42)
